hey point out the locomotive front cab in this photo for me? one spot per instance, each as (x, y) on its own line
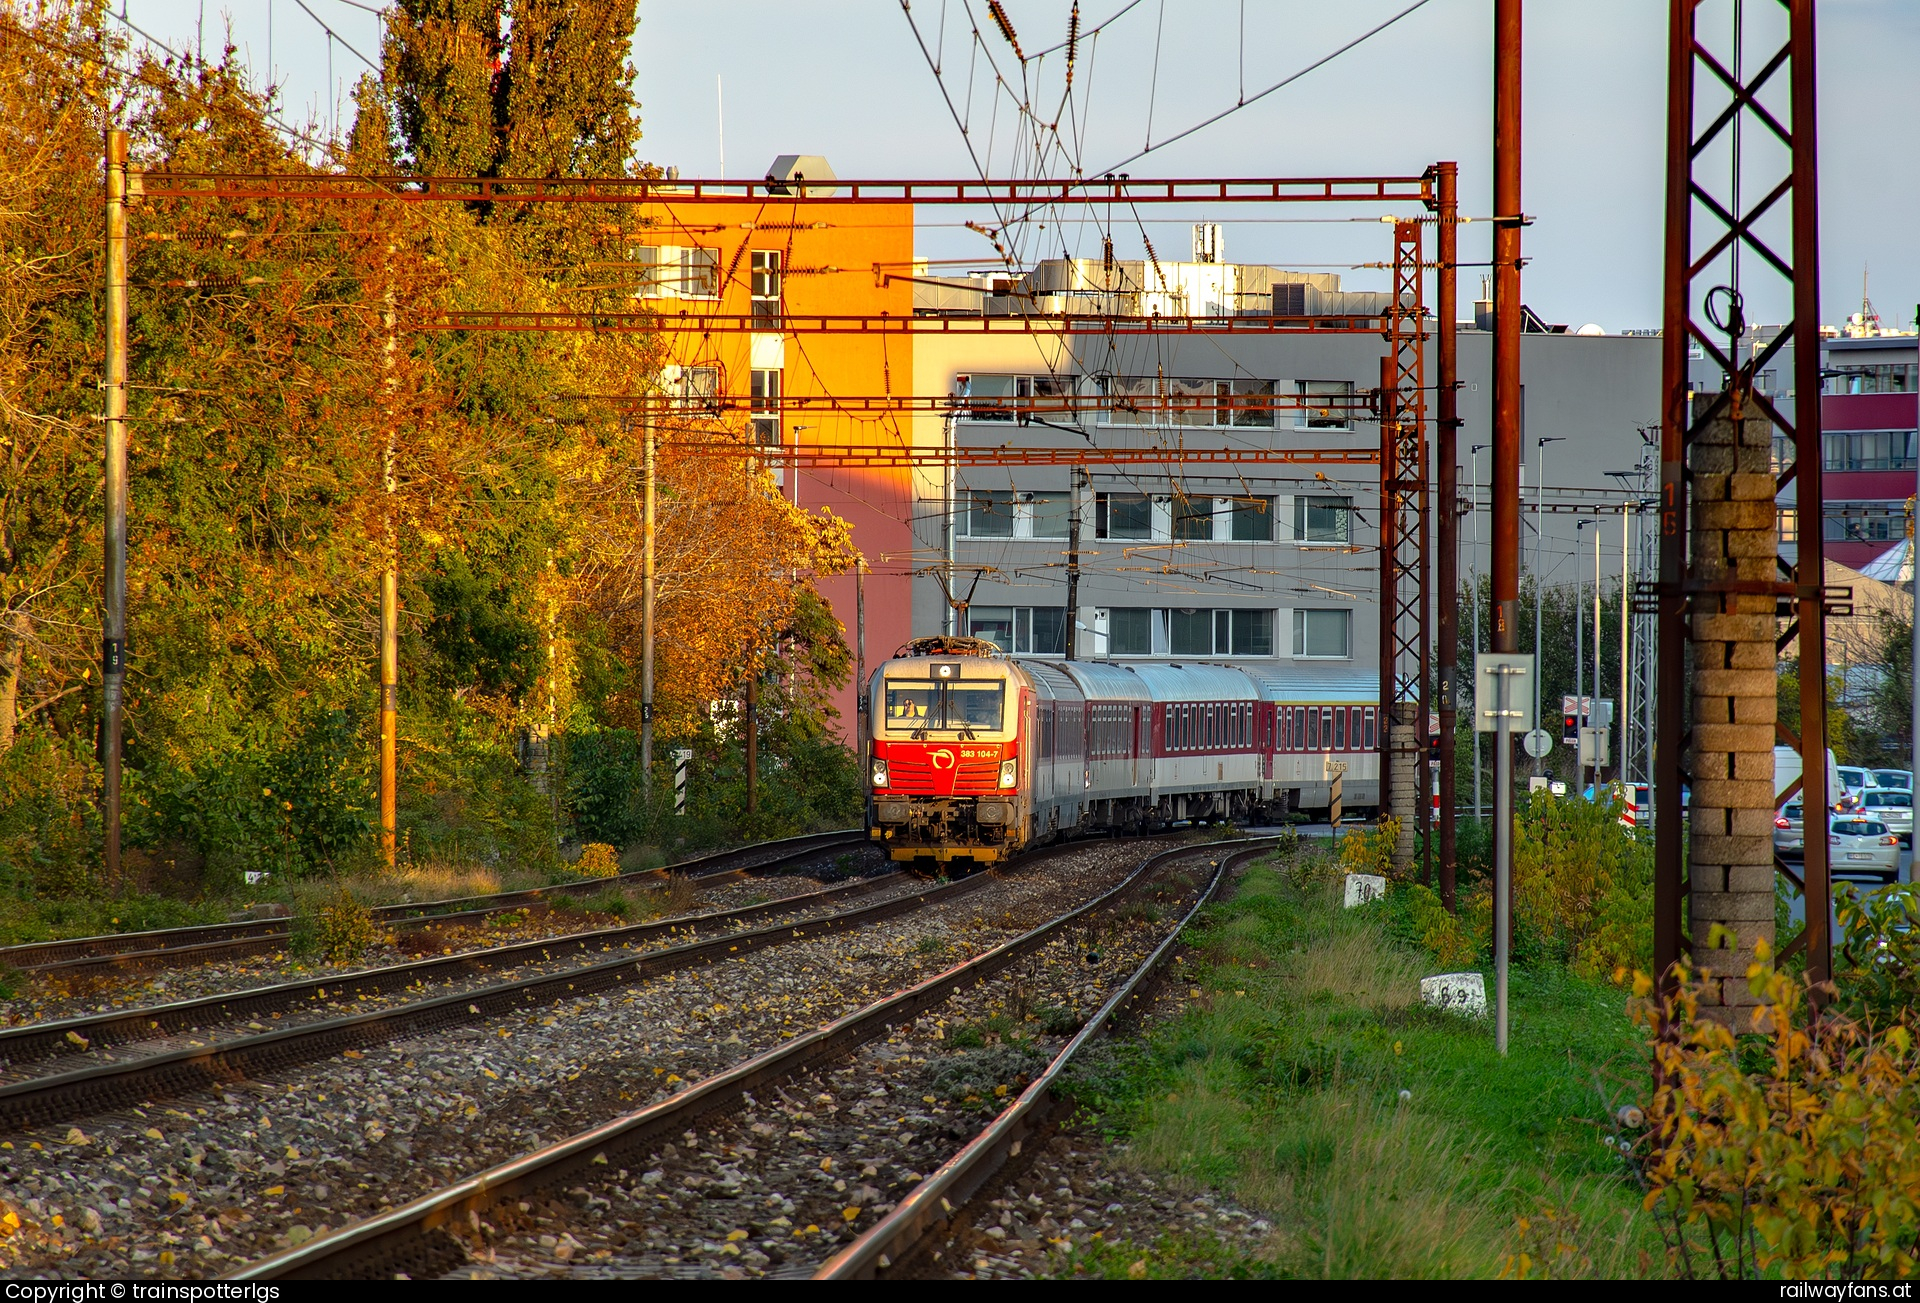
(944, 775)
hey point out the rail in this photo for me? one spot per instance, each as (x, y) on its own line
(415, 1238)
(102, 1087)
(169, 945)
(941, 1201)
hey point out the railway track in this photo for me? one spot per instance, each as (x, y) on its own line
(100, 1087)
(126, 951)
(432, 1234)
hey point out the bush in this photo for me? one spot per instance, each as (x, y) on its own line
(343, 929)
(1370, 850)
(1582, 895)
(1790, 1151)
(597, 860)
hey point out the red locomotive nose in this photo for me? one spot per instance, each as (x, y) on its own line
(942, 768)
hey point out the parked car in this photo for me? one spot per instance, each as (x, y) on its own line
(1790, 831)
(1892, 807)
(1857, 782)
(1894, 778)
(1857, 844)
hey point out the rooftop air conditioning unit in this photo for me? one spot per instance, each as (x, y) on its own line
(789, 169)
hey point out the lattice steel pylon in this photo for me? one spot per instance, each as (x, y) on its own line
(1723, 590)
(1405, 554)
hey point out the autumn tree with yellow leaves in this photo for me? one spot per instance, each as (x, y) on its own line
(276, 356)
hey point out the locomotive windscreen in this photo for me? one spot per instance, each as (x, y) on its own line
(912, 706)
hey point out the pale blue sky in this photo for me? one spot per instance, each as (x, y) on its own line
(845, 78)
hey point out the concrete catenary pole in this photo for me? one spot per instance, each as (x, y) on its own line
(389, 592)
(1508, 218)
(1447, 562)
(113, 622)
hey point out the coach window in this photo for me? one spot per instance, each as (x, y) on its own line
(1339, 730)
(1299, 729)
(1313, 729)
(1370, 741)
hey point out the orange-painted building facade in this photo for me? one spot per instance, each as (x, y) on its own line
(766, 260)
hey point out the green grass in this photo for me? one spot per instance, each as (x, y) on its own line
(27, 919)
(1281, 1087)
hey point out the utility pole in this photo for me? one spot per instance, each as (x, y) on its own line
(646, 621)
(1621, 769)
(1073, 559)
(1473, 604)
(861, 704)
(1580, 653)
(389, 597)
(1539, 584)
(753, 736)
(1447, 571)
(1508, 218)
(113, 623)
(1593, 715)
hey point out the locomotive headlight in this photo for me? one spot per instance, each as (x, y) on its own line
(879, 772)
(1009, 772)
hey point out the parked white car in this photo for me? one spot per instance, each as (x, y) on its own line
(1892, 807)
(1894, 778)
(1857, 844)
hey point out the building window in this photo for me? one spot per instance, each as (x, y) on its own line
(1123, 515)
(1865, 522)
(1021, 630)
(1252, 520)
(1324, 404)
(764, 389)
(1189, 631)
(1043, 515)
(764, 290)
(990, 514)
(1869, 450)
(698, 389)
(1187, 401)
(1183, 519)
(699, 273)
(1879, 378)
(1789, 521)
(992, 398)
(1193, 520)
(1007, 513)
(1322, 519)
(1321, 635)
(1130, 632)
